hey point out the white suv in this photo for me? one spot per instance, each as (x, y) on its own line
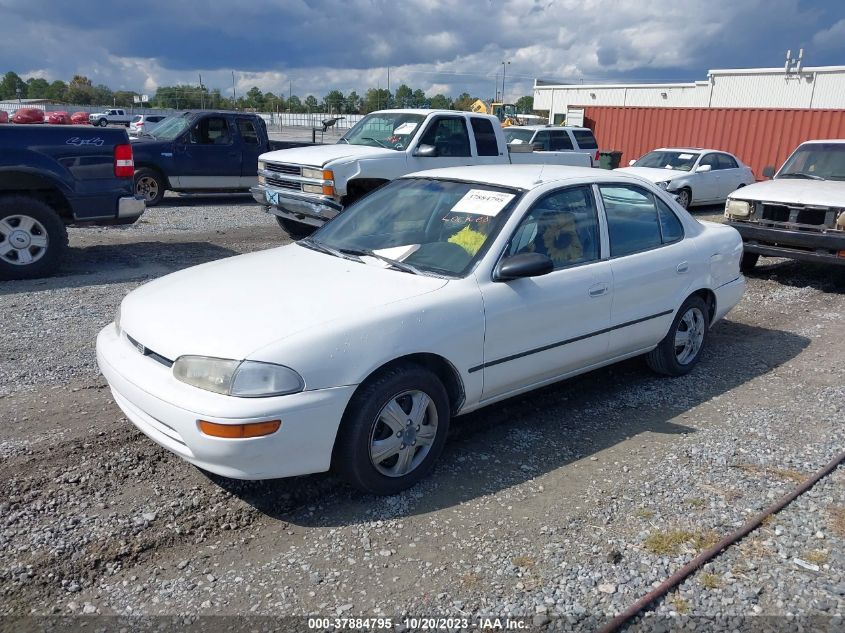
(144, 122)
(555, 138)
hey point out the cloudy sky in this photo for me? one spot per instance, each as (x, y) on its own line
(437, 45)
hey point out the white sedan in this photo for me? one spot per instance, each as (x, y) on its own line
(438, 294)
(693, 175)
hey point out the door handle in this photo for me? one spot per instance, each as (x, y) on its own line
(682, 268)
(598, 290)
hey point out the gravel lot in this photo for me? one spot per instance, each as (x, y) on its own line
(571, 501)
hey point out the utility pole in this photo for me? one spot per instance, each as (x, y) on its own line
(202, 95)
(388, 87)
(504, 66)
(234, 97)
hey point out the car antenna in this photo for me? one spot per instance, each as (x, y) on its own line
(539, 180)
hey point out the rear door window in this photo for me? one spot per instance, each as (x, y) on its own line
(247, 131)
(585, 139)
(485, 137)
(542, 141)
(631, 219)
(727, 162)
(560, 140)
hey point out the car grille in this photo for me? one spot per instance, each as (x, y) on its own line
(798, 217)
(283, 184)
(290, 170)
(146, 351)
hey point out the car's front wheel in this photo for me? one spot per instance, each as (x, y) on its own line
(680, 350)
(748, 261)
(102, 123)
(684, 197)
(393, 430)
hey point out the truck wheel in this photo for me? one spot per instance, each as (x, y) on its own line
(150, 185)
(296, 230)
(748, 261)
(32, 238)
(102, 123)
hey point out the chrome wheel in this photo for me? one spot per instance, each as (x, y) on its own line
(403, 433)
(23, 240)
(684, 198)
(689, 336)
(147, 186)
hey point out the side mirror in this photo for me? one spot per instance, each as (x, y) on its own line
(768, 171)
(631, 163)
(425, 151)
(703, 169)
(523, 265)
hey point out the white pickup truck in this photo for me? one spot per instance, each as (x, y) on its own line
(799, 213)
(306, 186)
(113, 116)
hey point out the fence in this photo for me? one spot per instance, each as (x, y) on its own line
(758, 136)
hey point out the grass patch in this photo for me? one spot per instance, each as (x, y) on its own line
(732, 495)
(837, 520)
(680, 605)
(816, 556)
(645, 513)
(522, 561)
(697, 503)
(769, 471)
(470, 580)
(711, 581)
(669, 542)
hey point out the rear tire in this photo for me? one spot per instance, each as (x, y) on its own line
(149, 184)
(393, 430)
(680, 350)
(32, 238)
(748, 261)
(296, 230)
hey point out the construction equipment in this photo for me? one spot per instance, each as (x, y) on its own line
(505, 112)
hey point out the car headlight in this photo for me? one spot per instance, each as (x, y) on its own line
(737, 208)
(663, 184)
(261, 165)
(316, 174)
(244, 379)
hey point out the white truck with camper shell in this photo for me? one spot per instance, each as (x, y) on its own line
(304, 187)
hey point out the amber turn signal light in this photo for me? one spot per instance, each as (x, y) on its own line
(239, 431)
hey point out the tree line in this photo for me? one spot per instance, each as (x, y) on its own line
(81, 91)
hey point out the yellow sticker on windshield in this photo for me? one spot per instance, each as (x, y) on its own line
(483, 202)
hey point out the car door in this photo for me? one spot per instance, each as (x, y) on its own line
(250, 149)
(450, 138)
(650, 262)
(706, 184)
(731, 175)
(540, 328)
(206, 156)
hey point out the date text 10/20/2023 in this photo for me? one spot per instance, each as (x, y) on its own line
(419, 623)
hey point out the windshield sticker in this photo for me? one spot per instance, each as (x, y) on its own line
(481, 202)
(405, 128)
(685, 156)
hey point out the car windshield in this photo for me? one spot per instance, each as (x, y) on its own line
(171, 128)
(420, 225)
(816, 161)
(680, 161)
(137, 117)
(518, 137)
(393, 130)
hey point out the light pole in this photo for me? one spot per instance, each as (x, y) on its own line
(505, 64)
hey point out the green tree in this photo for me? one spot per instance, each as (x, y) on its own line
(124, 98)
(254, 98)
(464, 101)
(102, 95)
(295, 105)
(334, 101)
(419, 99)
(57, 91)
(311, 104)
(525, 105)
(440, 102)
(404, 97)
(10, 85)
(37, 88)
(273, 103)
(353, 103)
(80, 91)
(376, 99)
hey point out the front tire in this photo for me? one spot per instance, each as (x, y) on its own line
(685, 197)
(748, 261)
(393, 430)
(150, 185)
(296, 230)
(102, 123)
(32, 238)
(680, 350)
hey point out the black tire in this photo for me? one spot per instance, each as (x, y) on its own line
(685, 197)
(363, 425)
(748, 261)
(150, 184)
(31, 222)
(664, 359)
(295, 229)
(102, 123)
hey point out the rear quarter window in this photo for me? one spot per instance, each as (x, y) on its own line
(585, 139)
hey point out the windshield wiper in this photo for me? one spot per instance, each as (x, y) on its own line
(800, 174)
(375, 140)
(405, 268)
(343, 138)
(328, 250)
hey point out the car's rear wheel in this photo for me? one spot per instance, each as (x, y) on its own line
(685, 197)
(393, 430)
(296, 230)
(150, 185)
(32, 238)
(681, 348)
(748, 261)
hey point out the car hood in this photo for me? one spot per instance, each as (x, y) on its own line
(232, 307)
(321, 155)
(654, 174)
(823, 193)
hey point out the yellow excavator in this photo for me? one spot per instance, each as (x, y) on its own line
(505, 112)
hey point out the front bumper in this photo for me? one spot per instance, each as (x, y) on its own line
(311, 210)
(130, 208)
(801, 245)
(167, 411)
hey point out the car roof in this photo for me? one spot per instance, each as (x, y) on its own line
(547, 127)
(825, 140)
(688, 149)
(524, 176)
(424, 111)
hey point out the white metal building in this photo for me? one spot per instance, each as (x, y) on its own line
(818, 87)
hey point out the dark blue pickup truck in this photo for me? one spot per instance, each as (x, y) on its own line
(202, 152)
(55, 175)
